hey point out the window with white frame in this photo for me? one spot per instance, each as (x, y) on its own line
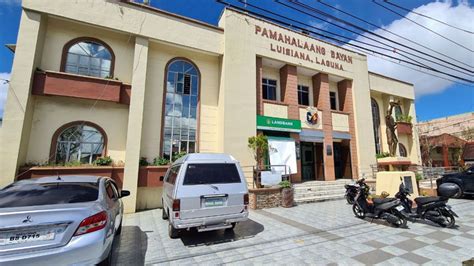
(181, 109)
(79, 143)
(89, 58)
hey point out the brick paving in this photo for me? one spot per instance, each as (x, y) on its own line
(325, 233)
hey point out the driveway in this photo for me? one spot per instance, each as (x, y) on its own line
(318, 233)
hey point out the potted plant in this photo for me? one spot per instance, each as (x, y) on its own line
(287, 195)
(259, 147)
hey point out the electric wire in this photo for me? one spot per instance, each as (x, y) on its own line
(393, 49)
(428, 17)
(328, 37)
(332, 38)
(417, 63)
(424, 27)
(315, 10)
(393, 33)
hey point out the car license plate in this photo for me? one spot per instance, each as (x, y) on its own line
(213, 202)
(13, 238)
(399, 208)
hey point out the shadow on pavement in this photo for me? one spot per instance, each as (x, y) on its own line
(243, 230)
(130, 247)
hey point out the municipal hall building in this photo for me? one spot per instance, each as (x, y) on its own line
(95, 78)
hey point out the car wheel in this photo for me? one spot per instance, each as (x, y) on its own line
(107, 261)
(119, 229)
(164, 214)
(172, 232)
(230, 229)
(358, 211)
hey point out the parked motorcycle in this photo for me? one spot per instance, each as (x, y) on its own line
(351, 192)
(433, 209)
(389, 209)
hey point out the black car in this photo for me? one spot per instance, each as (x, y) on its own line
(464, 181)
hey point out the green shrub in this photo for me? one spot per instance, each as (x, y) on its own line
(404, 118)
(72, 164)
(160, 161)
(418, 176)
(143, 161)
(382, 155)
(176, 156)
(285, 184)
(103, 161)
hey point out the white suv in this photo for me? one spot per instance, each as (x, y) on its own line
(206, 192)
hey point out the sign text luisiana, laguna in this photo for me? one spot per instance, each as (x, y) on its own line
(307, 46)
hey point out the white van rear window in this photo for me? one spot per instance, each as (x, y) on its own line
(211, 173)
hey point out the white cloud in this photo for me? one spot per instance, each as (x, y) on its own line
(3, 91)
(459, 15)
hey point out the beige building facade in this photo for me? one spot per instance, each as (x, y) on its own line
(125, 80)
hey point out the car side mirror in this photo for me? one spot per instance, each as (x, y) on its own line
(162, 178)
(124, 193)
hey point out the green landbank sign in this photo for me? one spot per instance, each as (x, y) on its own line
(278, 124)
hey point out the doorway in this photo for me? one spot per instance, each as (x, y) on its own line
(307, 161)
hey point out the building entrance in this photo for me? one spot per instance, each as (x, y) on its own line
(307, 161)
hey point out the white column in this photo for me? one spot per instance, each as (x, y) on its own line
(19, 105)
(135, 123)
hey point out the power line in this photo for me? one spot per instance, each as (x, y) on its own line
(428, 17)
(417, 63)
(325, 36)
(394, 49)
(315, 10)
(393, 33)
(426, 28)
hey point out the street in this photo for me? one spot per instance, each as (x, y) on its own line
(318, 233)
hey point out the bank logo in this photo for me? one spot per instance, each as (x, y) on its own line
(312, 116)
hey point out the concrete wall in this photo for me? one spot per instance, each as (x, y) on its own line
(208, 65)
(47, 119)
(59, 32)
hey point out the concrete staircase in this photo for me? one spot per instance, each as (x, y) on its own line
(314, 191)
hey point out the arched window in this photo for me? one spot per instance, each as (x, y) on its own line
(376, 122)
(402, 150)
(88, 57)
(181, 106)
(78, 142)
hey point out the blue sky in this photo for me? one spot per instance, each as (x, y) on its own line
(435, 97)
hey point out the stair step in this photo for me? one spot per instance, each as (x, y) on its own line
(318, 199)
(319, 188)
(320, 193)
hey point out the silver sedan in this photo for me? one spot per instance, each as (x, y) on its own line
(60, 220)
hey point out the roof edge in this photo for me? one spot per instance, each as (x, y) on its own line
(163, 12)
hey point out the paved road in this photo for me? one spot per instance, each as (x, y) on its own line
(318, 233)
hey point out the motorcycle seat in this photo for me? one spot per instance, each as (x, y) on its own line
(425, 200)
(378, 201)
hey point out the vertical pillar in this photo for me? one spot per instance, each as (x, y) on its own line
(322, 101)
(135, 122)
(259, 72)
(289, 93)
(18, 113)
(345, 102)
(445, 156)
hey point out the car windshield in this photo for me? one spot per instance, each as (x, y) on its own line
(34, 194)
(206, 174)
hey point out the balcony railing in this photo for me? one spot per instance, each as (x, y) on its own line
(77, 86)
